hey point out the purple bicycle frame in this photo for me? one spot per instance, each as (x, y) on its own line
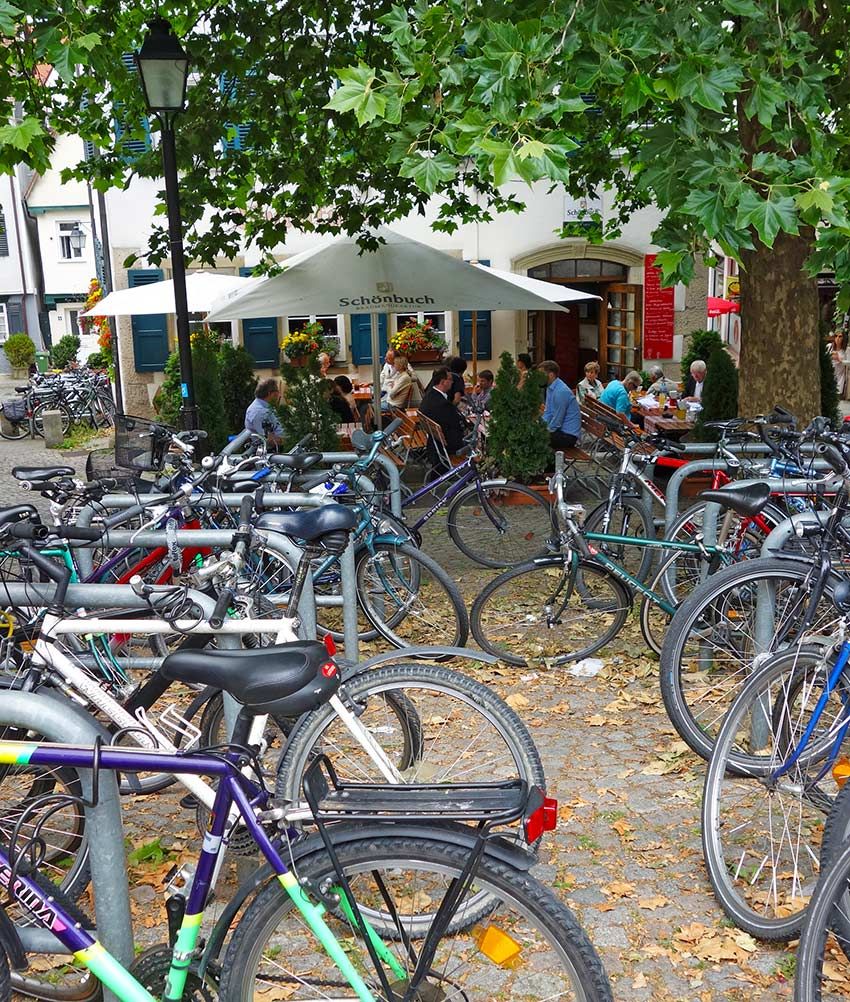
(468, 473)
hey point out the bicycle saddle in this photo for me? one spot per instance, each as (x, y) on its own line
(746, 500)
(283, 679)
(309, 525)
(19, 513)
(295, 460)
(41, 473)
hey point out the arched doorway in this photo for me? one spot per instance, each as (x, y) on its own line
(608, 329)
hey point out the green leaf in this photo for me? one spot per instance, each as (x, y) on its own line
(765, 99)
(676, 266)
(88, 42)
(356, 94)
(8, 13)
(708, 208)
(815, 198)
(711, 88)
(62, 58)
(428, 171)
(531, 148)
(743, 8)
(21, 136)
(770, 216)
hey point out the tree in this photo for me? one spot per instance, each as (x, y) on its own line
(238, 383)
(829, 396)
(700, 345)
(304, 409)
(208, 392)
(517, 440)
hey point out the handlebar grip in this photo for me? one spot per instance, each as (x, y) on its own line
(391, 427)
(241, 439)
(832, 455)
(302, 442)
(29, 530)
(56, 572)
(84, 533)
(246, 509)
(223, 603)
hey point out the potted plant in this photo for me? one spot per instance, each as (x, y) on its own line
(299, 346)
(20, 351)
(419, 342)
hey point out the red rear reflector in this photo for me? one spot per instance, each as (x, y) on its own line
(544, 819)
(329, 669)
(330, 645)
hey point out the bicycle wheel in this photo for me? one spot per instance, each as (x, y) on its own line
(498, 523)
(409, 598)
(17, 429)
(764, 812)
(715, 636)
(547, 608)
(836, 836)
(631, 517)
(434, 724)
(38, 418)
(823, 972)
(271, 950)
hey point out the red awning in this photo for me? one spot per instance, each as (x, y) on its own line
(716, 306)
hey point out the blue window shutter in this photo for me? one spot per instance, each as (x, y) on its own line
(483, 330)
(150, 333)
(131, 148)
(260, 337)
(361, 337)
(237, 137)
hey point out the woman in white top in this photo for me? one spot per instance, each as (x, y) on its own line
(839, 357)
(590, 386)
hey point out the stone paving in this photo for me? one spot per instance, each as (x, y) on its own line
(626, 856)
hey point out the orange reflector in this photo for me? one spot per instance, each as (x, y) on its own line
(841, 770)
(497, 945)
(330, 646)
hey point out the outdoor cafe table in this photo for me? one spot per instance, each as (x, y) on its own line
(655, 422)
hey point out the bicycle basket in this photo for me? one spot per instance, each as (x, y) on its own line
(140, 444)
(15, 410)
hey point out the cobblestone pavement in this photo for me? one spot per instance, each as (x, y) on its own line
(626, 856)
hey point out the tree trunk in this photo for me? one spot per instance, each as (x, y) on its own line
(779, 331)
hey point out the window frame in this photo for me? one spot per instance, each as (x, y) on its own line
(341, 335)
(448, 332)
(4, 323)
(61, 237)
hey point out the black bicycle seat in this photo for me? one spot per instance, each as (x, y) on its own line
(283, 679)
(19, 513)
(746, 500)
(41, 473)
(309, 525)
(295, 460)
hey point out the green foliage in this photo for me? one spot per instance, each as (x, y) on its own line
(238, 383)
(65, 351)
(517, 440)
(304, 409)
(720, 393)
(209, 395)
(701, 344)
(166, 401)
(20, 350)
(97, 360)
(828, 388)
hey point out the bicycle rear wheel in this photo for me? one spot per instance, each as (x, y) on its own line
(823, 971)
(632, 517)
(498, 523)
(271, 950)
(549, 608)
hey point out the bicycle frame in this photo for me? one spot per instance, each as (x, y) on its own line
(236, 796)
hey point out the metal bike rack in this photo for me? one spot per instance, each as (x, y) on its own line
(62, 722)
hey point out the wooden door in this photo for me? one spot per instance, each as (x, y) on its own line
(566, 344)
(620, 330)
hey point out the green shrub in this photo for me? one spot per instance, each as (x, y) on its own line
(209, 397)
(700, 345)
(719, 395)
(65, 351)
(166, 401)
(517, 440)
(828, 387)
(304, 409)
(20, 350)
(97, 360)
(238, 383)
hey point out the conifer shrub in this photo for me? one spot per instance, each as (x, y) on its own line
(720, 393)
(238, 383)
(700, 345)
(517, 440)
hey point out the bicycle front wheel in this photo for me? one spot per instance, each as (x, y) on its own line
(549, 608)
(272, 951)
(823, 974)
(631, 518)
(409, 598)
(498, 523)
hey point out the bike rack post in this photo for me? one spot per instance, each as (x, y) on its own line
(329, 458)
(62, 722)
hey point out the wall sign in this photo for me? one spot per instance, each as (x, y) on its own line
(579, 210)
(658, 320)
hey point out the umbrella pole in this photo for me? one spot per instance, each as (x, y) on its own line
(376, 370)
(474, 342)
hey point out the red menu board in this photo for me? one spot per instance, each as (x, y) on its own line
(657, 313)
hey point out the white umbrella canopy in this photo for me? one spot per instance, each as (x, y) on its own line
(550, 291)
(203, 288)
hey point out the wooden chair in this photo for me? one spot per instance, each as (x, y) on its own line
(408, 440)
(436, 444)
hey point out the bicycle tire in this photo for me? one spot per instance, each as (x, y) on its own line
(631, 517)
(828, 906)
(710, 635)
(37, 419)
(570, 962)
(513, 530)
(763, 813)
(403, 574)
(836, 836)
(513, 610)
(20, 430)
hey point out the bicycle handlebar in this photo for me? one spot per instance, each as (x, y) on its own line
(223, 603)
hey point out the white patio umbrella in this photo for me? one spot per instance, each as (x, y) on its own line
(203, 288)
(401, 276)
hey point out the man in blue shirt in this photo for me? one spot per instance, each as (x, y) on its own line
(261, 417)
(616, 394)
(561, 415)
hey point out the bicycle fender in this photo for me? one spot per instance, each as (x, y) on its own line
(11, 943)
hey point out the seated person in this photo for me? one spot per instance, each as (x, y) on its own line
(437, 406)
(616, 393)
(660, 383)
(261, 416)
(387, 370)
(523, 364)
(561, 415)
(402, 389)
(590, 386)
(480, 397)
(695, 383)
(342, 400)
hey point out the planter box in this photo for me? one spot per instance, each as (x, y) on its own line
(20, 373)
(520, 499)
(433, 355)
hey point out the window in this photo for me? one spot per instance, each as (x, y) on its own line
(4, 236)
(332, 331)
(579, 268)
(73, 322)
(66, 251)
(197, 324)
(4, 323)
(439, 321)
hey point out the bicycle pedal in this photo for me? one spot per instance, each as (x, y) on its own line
(553, 545)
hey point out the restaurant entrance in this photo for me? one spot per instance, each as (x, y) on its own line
(608, 329)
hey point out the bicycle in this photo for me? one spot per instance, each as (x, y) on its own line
(579, 591)
(388, 908)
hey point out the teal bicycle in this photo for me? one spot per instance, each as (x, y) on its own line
(573, 601)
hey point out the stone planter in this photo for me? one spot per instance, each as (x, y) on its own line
(21, 374)
(520, 499)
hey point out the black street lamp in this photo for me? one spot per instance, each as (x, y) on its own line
(164, 70)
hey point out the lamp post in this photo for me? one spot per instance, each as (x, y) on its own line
(164, 71)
